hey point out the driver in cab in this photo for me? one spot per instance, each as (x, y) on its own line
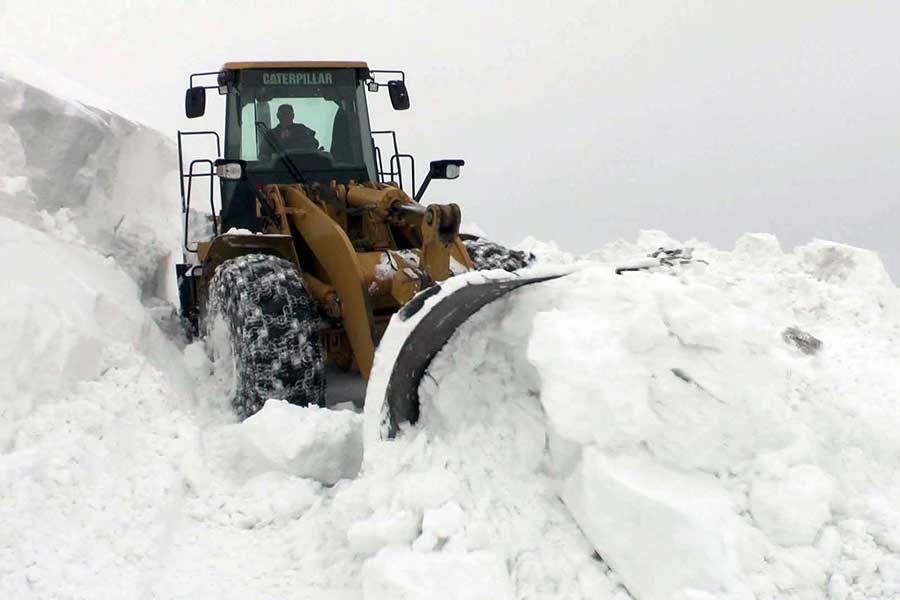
(290, 135)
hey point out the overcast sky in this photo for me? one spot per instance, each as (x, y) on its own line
(580, 122)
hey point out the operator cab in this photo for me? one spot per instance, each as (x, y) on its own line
(291, 122)
(313, 114)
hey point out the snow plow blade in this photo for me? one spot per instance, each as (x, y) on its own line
(430, 335)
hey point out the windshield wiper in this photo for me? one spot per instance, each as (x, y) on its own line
(289, 164)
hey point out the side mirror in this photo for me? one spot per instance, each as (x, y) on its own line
(440, 169)
(230, 168)
(399, 95)
(195, 102)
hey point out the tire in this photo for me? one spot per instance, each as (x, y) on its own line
(487, 255)
(262, 329)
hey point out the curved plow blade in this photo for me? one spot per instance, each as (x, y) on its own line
(430, 335)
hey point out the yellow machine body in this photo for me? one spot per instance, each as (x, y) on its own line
(364, 250)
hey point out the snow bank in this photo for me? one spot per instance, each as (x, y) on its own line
(92, 430)
(89, 176)
(87, 234)
(700, 450)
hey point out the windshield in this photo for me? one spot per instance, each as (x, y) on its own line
(316, 117)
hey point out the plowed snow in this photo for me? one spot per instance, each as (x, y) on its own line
(650, 435)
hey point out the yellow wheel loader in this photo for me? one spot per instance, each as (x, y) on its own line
(314, 244)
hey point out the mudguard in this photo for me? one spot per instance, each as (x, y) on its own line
(430, 335)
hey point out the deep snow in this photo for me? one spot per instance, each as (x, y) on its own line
(650, 434)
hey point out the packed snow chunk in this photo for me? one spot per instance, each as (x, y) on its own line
(13, 163)
(842, 263)
(792, 509)
(444, 521)
(850, 280)
(545, 252)
(307, 441)
(885, 519)
(383, 528)
(569, 348)
(694, 315)
(758, 244)
(16, 199)
(63, 305)
(653, 239)
(401, 574)
(572, 402)
(649, 359)
(799, 569)
(838, 588)
(668, 534)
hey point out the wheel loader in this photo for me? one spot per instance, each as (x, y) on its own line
(319, 235)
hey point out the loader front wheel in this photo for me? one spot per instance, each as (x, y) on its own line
(262, 333)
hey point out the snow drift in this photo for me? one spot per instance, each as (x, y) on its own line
(655, 434)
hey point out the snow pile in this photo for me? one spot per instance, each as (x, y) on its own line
(700, 450)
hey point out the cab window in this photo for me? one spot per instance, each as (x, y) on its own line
(328, 129)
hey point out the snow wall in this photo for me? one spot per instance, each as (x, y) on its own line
(90, 231)
(86, 174)
(652, 435)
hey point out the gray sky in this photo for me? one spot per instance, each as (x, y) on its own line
(579, 122)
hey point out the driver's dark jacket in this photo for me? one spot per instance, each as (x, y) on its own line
(295, 136)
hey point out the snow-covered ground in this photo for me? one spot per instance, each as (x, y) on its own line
(656, 434)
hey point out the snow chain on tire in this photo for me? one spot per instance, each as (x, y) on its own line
(272, 321)
(487, 255)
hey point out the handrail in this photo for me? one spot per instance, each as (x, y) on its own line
(395, 167)
(181, 175)
(187, 211)
(412, 166)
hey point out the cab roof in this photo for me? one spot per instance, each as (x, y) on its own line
(295, 64)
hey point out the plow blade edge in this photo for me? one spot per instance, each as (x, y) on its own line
(430, 335)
